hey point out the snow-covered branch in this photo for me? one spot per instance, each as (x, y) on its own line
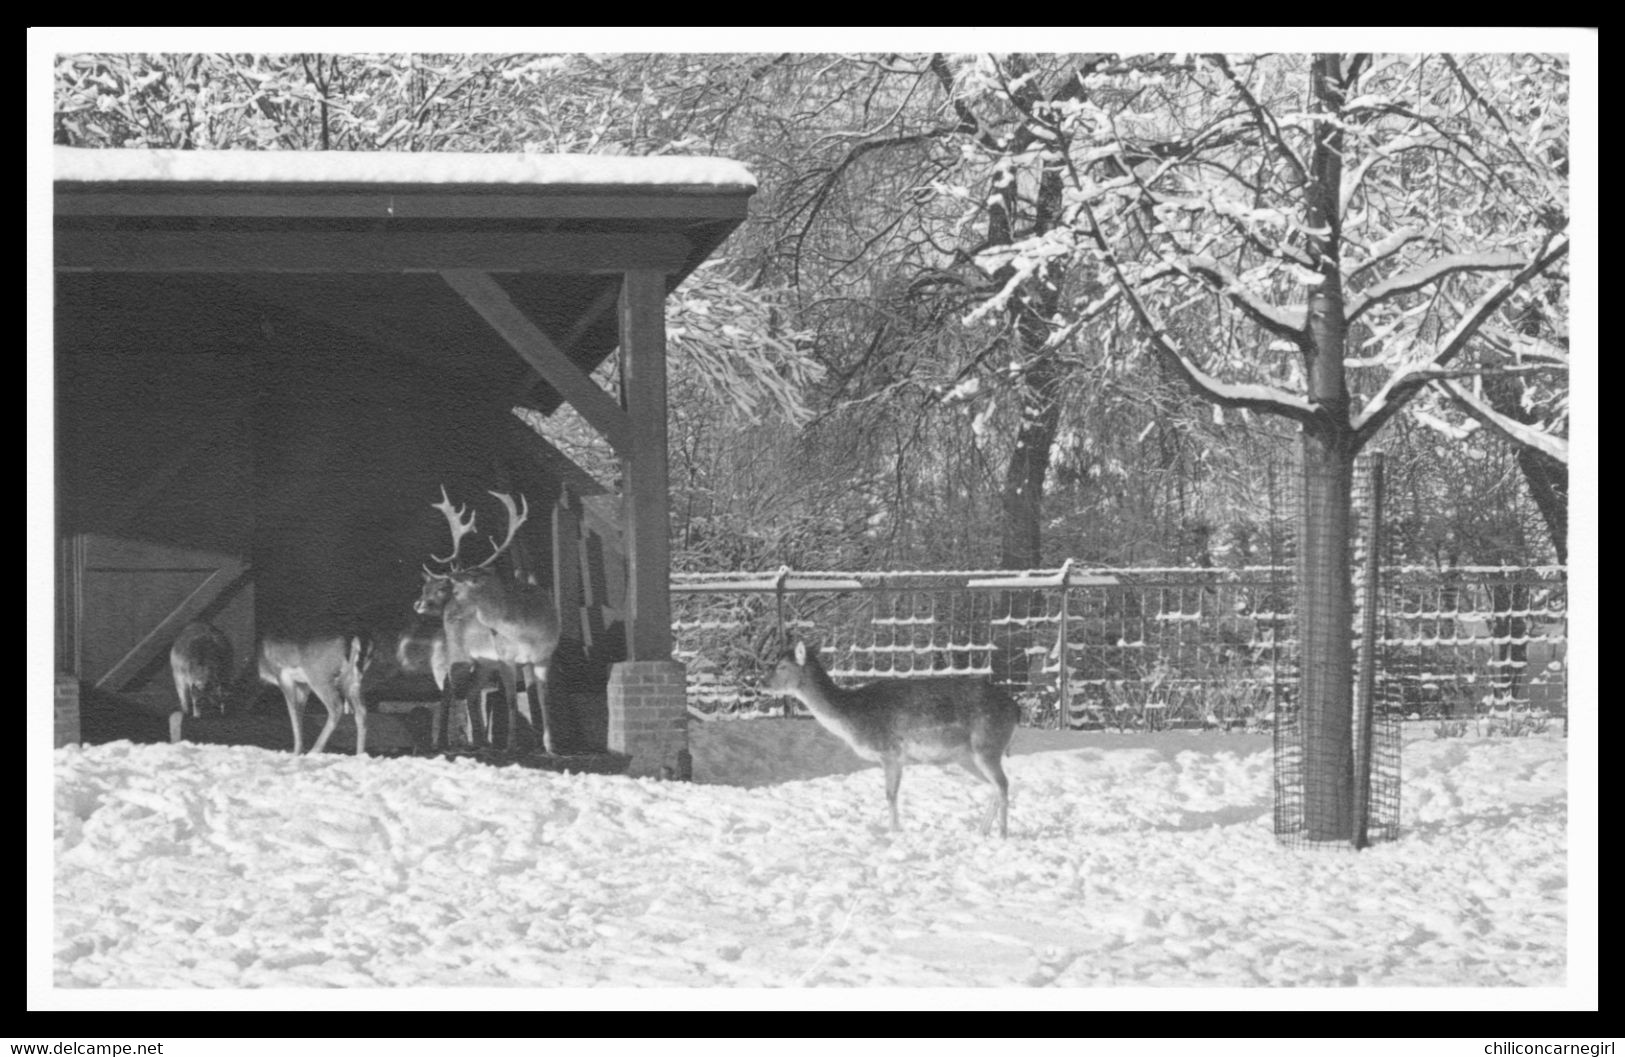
(1512, 430)
(1281, 322)
(1353, 180)
(1432, 271)
(1522, 347)
(1265, 121)
(1405, 383)
(1382, 250)
(1261, 398)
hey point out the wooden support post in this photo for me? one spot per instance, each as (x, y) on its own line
(644, 466)
(486, 297)
(1063, 718)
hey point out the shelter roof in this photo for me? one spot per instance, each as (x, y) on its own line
(362, 240)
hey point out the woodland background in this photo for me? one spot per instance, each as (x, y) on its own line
(918, 352)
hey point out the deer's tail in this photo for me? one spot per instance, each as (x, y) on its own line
(360, 651)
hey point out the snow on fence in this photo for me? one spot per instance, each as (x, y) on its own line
(1141, 648)
(1476, 641)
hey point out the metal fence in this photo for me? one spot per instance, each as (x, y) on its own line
(1476, 641)
(1142, 648)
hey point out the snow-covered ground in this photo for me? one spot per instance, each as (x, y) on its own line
(1132, 860)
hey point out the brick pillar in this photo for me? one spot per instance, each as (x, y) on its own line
(67, 710)
(648, 717)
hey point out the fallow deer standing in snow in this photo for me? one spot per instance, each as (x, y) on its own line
(934, 719)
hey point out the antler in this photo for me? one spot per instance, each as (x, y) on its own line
(515, 519)
(459, 527)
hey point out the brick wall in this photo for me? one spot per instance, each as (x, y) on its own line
(67, 710)
(648, 717)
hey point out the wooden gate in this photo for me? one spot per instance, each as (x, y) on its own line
(155, 504)
(130, 598)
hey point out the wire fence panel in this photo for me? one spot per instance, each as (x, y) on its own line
(1151, 648)
(1477, 643)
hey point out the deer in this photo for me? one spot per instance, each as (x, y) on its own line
(418, 653)
(201, 663)
(934, 719)
(491, 620)
(331, 666)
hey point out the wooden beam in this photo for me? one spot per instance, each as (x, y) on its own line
(350, 318)
(365, 251)
(604, 302)
(644, 466)
(401, 204)
(230, 572)
(488, 299)
(599, 306)
(557, 466)
(552, 461)
(568, 596)
(604, 516)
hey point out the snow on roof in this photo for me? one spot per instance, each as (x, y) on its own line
(78, 164)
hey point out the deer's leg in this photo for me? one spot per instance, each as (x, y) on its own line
(509, 674)
(991, 769)
(438, 714)
(295, 695)
(457, 691)
(358, 704)
(473, 696)
(183, 695)
(894, 777)
(528, 714)
(488, 713)
(539, 679)
(360, 726)
(330, 697)
(177, 720)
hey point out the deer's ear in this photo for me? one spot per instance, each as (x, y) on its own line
(801, 653)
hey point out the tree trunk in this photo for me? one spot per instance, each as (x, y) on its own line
(1325, 623)
(1325, 588)
(1021, 536)
(1548, 482)
(1547, 478)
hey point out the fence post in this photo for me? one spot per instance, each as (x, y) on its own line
(784, 643)
(1365, 695)
(778, 597)
(1063, 719)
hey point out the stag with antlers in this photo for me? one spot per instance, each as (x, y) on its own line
(492, 620)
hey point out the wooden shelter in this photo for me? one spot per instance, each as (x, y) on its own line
(268, 363)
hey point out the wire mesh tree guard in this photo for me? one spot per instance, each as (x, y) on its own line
(1336, 784)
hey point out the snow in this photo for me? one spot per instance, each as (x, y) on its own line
(1133, 859)
(77, 164)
